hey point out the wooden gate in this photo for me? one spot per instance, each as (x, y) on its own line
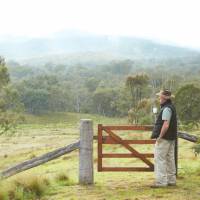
(111, 138)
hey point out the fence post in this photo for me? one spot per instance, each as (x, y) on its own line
(86, 152)
(176, 155)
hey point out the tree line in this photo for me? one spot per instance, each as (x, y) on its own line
(119, 88)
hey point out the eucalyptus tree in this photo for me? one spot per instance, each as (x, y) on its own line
(136, 85)
(9, 101)
(187, 103)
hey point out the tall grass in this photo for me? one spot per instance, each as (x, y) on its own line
(70, 119)
(29, 187)
(33, 184)
(3, 195)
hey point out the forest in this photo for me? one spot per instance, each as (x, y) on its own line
(118, 88)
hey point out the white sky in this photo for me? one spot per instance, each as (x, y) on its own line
(166, 20)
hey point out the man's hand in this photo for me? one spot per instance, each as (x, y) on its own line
(163, 131)
(158, 139)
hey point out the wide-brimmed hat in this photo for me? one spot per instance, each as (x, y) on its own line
(165, 93)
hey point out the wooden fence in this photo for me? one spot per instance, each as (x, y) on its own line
(85, 146)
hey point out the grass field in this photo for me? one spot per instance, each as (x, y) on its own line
(58, 179)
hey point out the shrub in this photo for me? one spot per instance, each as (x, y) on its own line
(146, 120)
(33, 184)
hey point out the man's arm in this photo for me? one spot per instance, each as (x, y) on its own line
(163, 129)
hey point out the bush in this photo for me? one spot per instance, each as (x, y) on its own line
(190, 126)
(146, 120)
(187, 103)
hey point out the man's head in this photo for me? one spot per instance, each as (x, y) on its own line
(164, 95)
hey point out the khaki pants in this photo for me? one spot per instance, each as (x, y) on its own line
(165, 170)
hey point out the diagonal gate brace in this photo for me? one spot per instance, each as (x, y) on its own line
(127, 146)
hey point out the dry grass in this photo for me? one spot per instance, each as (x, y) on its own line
(37, 139)
(3, 195)
(33, 184)
(62, 177)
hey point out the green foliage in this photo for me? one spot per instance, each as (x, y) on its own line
(92, 84)
(99, 88)
(190, 126)
(187, 103)
(136, 85)
(139, 113)
(4, 75)
(146, 120)
(122, 103)
(37, 100)
(103, 101)
(44, 93)
(120, 67)
(10, 105)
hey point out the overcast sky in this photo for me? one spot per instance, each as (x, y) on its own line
(166, 20)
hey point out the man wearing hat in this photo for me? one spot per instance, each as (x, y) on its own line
(165, 133)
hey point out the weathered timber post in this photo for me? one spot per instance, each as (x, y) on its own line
(86, 152)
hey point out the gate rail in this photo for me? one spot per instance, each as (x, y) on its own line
(112, 138)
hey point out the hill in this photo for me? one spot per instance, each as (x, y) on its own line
(76, 47)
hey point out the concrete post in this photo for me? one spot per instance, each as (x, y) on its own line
(86, 152)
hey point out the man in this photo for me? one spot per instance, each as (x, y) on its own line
(165, 132)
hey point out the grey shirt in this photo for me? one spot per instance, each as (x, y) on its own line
(167, 114)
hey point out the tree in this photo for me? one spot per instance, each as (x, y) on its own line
(91, 84)
(122, 102)
(9, 102)
(136, 84)
(41, 94)
(4, 75)
(119, 67)
(140, 111)
(103, 101)
(35, 100)
(187, 103)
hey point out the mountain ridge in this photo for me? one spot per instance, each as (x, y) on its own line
(78, 45)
